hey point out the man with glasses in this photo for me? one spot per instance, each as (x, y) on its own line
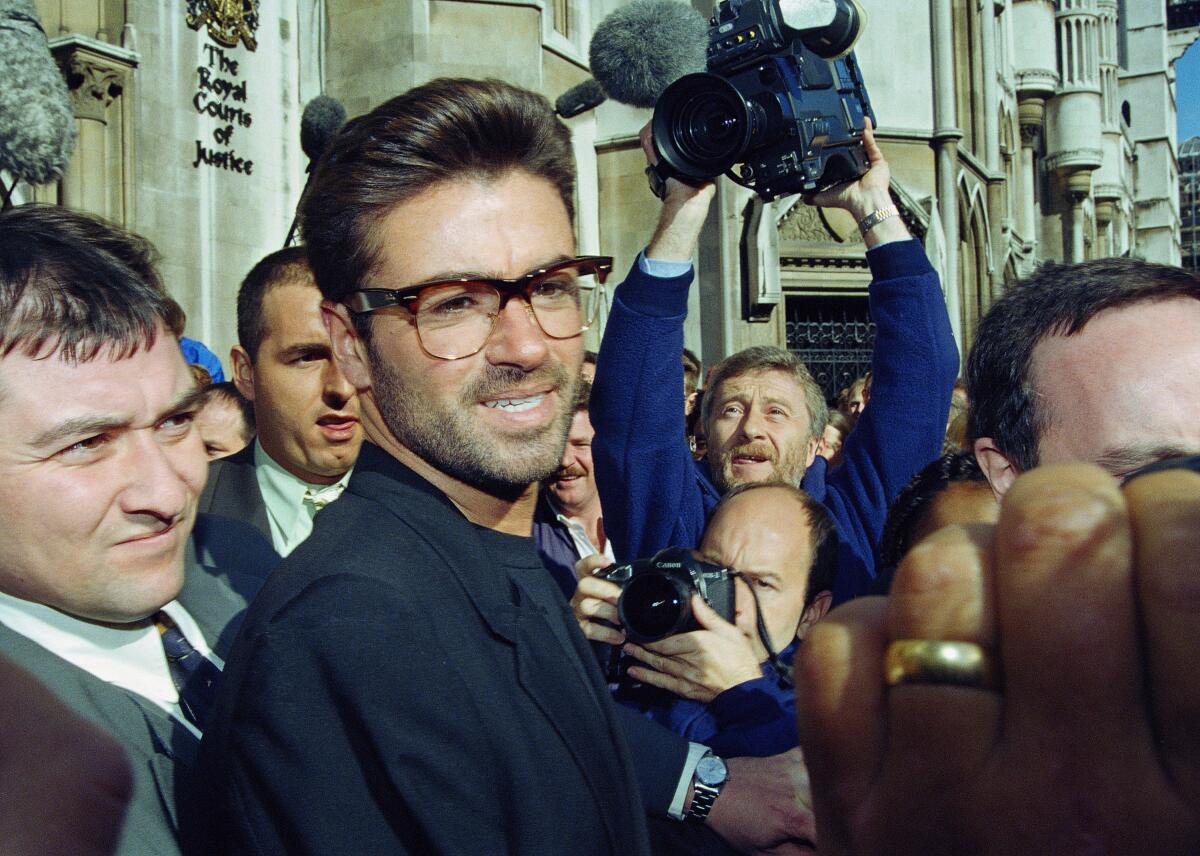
(410, 679)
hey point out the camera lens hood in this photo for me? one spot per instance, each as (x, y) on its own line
(654, 605)
(702, 126)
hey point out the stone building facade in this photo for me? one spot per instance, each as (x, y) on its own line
(1017, 131)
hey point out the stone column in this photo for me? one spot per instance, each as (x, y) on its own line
(991, 89)
(946, 135)
(1079, 188)
(1030, 116)
(1105, 212)
(97, 76)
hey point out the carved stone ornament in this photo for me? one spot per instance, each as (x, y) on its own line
(93, 85)
(804, 223)
(228, 21)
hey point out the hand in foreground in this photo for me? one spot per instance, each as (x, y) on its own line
(596, 598)
(702, 664)
(65, 783)
(1087, 599)
(766, 807)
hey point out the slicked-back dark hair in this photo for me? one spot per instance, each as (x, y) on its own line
(282, 266)
(912, 503)
(66, 287)
(447, 129)
(1058, 300)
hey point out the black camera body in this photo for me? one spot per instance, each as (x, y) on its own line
(656, 598)
(788, 105)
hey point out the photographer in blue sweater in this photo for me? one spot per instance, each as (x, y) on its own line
(763, 413)
(728, 684)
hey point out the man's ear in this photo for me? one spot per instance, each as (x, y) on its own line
(349, 350)
(814, 446)
(814, 613)
(1001, 472)
(243, 371)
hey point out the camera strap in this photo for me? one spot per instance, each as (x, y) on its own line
(781, 670)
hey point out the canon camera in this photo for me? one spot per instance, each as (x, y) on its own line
(656, 599)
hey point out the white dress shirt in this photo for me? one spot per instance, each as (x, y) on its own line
(290, 517)
(130, 656)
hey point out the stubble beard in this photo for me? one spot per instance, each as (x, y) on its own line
(448, 439)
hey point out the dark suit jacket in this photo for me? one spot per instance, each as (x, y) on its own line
(162, 751)
(232, 491)
(392, 692)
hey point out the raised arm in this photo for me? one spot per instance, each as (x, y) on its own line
(652, 494)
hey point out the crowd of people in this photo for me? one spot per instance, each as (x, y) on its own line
(369, 594)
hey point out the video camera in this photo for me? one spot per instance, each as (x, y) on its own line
(656, 599)
(783, 96)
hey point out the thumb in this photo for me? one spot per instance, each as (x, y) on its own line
(708, 618)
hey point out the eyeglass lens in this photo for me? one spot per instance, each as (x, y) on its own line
(455, 319)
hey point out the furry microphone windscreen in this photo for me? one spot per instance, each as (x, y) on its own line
(642, 48)
(37, 124)
(323, 118)
(580, 98)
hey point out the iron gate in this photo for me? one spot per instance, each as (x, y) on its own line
(834, 336)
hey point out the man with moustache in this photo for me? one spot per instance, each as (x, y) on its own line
(763, 413)
(410, 680)
(568, 524)
(305, 412)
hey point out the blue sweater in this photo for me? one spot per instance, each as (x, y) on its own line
(654, 495)
(756, 718)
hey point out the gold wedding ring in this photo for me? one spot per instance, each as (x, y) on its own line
(933, 661)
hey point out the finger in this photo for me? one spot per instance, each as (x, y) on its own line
(708, 618)
(663, 681)
(840, 699)
(1067, 623)
(590, 608)
(602, 633)
(1165, 510)
(659, 663)
(680, 643)
(605, 590)
(588, 565)
(646, 136)
(939, 735)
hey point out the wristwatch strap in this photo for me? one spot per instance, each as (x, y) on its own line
(866, 224)
(703, 797)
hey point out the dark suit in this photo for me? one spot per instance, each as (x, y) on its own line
(162, 751)
(393, 691)
(232, 491)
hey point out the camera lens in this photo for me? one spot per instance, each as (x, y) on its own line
(702, 126)
(653, 606)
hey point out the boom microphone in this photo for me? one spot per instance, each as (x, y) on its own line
(580, 98)
(37, 124)
(323, 117)
(642, 48)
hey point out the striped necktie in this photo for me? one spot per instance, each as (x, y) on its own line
(194, 675)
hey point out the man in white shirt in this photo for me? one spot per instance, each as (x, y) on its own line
(100, 471)
(305, 413)
(568, 524)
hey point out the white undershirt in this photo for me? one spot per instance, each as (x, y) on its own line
(130, 657)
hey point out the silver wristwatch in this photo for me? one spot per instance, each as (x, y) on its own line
(710, 776)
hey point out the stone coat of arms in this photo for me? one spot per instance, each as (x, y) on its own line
(228, 21)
